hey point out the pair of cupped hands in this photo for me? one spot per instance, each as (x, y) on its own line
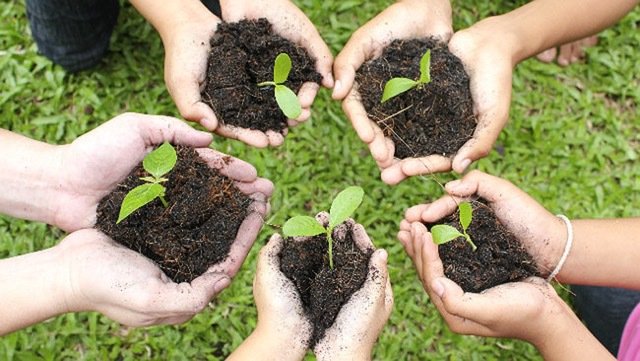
(134, 291)
(489, 67)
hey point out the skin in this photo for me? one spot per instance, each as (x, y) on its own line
(186, 27)
(489, 50)
(62, 185)
(567, 54)
(283, 331)
(530, 310)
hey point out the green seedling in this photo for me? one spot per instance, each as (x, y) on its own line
(285, 97)
(157, 163)
(443, 233)
(397, 86)
(342, 207)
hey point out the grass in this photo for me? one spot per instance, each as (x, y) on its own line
(572, 143)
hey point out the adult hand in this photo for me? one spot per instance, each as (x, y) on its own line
(406, 19)
(361, 319)
(101, 275)
(540, 232)
(96, 162)
(291, 23)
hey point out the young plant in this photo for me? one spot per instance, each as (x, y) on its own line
(287, 100)
(397, 86)
(157, 163)
(443, 233)
(342, 207)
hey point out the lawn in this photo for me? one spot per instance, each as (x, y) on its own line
(573, 143)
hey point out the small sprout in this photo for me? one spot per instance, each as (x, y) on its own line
(342, 207)
(157, 163)
(397, 86)
(285, 97)
(443, 233)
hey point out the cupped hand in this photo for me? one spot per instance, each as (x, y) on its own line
(101, 275)
(407, 19)
(360, 321)
(540, 232)
(291, 23)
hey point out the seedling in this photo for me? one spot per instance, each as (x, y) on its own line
(157, 163)
(443, 233)
(397, 86)
(285, 97)
(342, 207)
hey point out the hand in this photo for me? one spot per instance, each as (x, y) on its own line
(540, 232)
(96, 162)
(291, 23)
(405, 19)
(361, 319)
(101, 275)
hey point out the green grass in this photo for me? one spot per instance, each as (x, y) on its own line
(572, 143)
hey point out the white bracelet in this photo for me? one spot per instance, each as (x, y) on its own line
(567, 247)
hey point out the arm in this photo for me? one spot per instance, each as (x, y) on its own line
(87, 271)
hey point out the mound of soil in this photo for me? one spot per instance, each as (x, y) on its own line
(242, 55)
(323, 290)
(434, 119)
(500, 258)
(194, 232)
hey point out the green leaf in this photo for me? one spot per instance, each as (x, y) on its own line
(425, 68)
(288, 101)
(161, 161)
(465, 214)
(397, 86)
(138, 197)
(343, 206)
(281, 68)
(302, 226)
(443, 233)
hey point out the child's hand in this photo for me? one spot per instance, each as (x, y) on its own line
(540, 232)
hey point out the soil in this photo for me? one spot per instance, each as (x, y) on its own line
(500, 258)
(436, 118)
(242, 55)
(197, 228)
(323, 290)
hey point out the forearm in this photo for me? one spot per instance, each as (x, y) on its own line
(605, 253)
(542, 24)
(30, 289)
(28, 177)
(269, 346)
(168, 15)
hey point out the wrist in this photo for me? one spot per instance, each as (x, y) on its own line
(280, 343)
(498, 35)
(174, 15)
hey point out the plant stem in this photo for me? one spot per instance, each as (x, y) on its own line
(164, 201)
(330, 240)
(267, 83)
(473, 245)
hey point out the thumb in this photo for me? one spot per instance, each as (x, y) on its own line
(211, 284)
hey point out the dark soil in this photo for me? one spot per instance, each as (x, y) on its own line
(500, 258)
(194, 232)
(324, 291)
(242, 55)
(435, 119)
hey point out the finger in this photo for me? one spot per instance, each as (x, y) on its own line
(156, 129)
(323, 218)
(229, 166)
(405, 239)
(254, 138)
(564, 58)
(245, 238)
(358, 49)
(186, 299)
(414, 213)
(418, 230)
(426, 165)
(388, 297)
(184, 88)
(268, 260)
(361, 238)
(305, 114)
(307, 94)
(484, 185)
(275, 139)
(548, 55)
(439, 209)
(354, 110)
(429, 254)
(405, 225)
(261, 187)
(379, 149)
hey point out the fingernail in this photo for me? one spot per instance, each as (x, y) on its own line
(222, 284)
(383, 255)
(454, 184)
(464, 164)
(438, 287)
(337, 87)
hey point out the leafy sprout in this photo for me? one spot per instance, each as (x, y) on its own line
(157, 163)
(397, 86)
(287, 100)
(342, 207)
(443, 233)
